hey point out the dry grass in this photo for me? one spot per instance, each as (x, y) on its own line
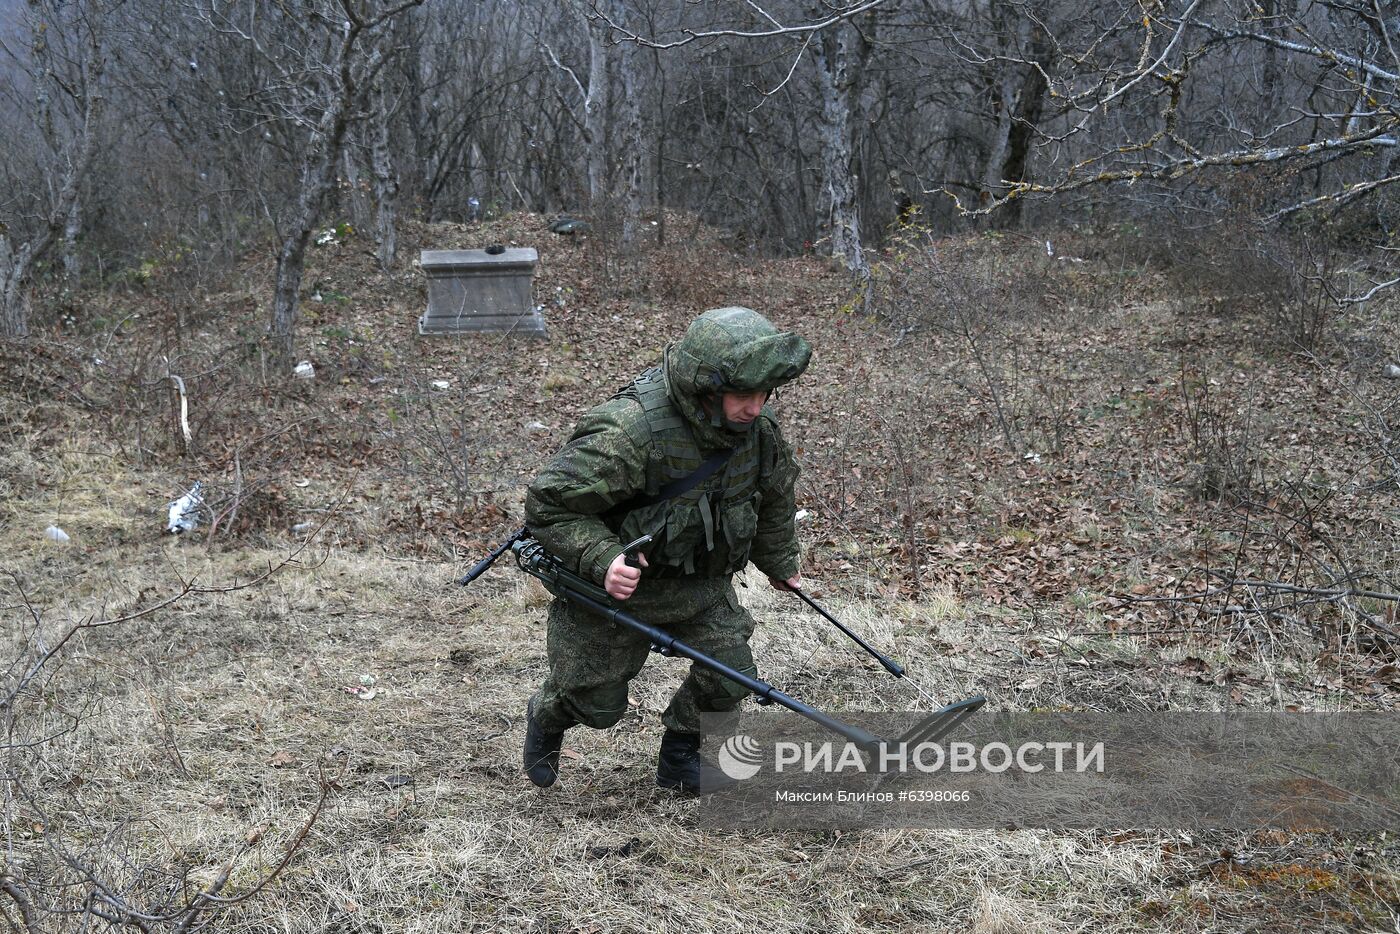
(215, 718)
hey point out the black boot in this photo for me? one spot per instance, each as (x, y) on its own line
(541, 751)
(680, 765)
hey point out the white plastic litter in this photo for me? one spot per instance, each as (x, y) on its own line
(184, 512)
(304, 370)
(1392, 371)
(801, 514)
(54, 534)
(441, 384)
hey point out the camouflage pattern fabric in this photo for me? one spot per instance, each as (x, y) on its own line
(612, 458)
(591, 660)
(624, 449)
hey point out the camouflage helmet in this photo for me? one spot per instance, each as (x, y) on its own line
(735, 350)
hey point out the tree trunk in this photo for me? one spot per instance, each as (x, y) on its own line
(1269, 19)
(630, 137)
(427, 153)
(14, 292)
(72, 227)
(386, 181)
(1030, 104)
(837, 73)
(317, 180)
(286, 303)
(997, 144)
(316, 183)
(595, 110)
(361, 213)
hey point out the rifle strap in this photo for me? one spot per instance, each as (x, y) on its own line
(675, 487)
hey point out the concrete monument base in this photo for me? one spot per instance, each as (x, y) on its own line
(476, 291)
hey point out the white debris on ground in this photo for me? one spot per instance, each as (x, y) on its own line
(304, 370)
(184, 512)
(1392, 371)
(54, 534)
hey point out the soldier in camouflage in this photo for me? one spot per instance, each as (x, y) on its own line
(632, 468)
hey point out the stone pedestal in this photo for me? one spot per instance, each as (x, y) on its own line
(472, 290)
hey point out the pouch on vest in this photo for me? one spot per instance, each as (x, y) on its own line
(739, 520)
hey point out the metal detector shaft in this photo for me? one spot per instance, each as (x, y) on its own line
(531, 557)
(667, 644)
(892, 666)
(486, 562)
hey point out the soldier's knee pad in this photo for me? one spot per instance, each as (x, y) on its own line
(599, 707)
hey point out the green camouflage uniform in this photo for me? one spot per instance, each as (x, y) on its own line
(653, 432)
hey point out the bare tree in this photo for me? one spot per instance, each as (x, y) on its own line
(62, 71)
(478, 114)
(840, 53)
(386, 180)
(591, 111)
(315, 68)
(629, 138)
(1304, 98)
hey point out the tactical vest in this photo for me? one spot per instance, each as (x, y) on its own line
(706, 531)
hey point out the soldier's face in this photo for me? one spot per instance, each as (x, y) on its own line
(743, 407)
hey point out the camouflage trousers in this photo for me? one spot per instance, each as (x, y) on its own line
(591, 659)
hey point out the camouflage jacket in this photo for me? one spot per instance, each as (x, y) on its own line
(640, 440)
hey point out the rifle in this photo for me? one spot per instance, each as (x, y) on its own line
(532, 558)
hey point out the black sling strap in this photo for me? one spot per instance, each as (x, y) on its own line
(674, 488)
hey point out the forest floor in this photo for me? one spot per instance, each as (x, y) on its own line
(1008, 457)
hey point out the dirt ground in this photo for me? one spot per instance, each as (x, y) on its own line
(992, 498)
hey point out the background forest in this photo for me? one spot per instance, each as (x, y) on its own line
(143, 136)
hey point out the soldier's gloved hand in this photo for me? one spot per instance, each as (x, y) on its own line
(792, 583)
(622, 578)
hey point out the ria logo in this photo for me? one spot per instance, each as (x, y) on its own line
(740, 757)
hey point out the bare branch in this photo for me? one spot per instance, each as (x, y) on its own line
(1143, 73)
(1324, 54)
(778, 29)
(1178, 168)
(564, 68)
(1337, 198)
(1370, 293)
(22, 903)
